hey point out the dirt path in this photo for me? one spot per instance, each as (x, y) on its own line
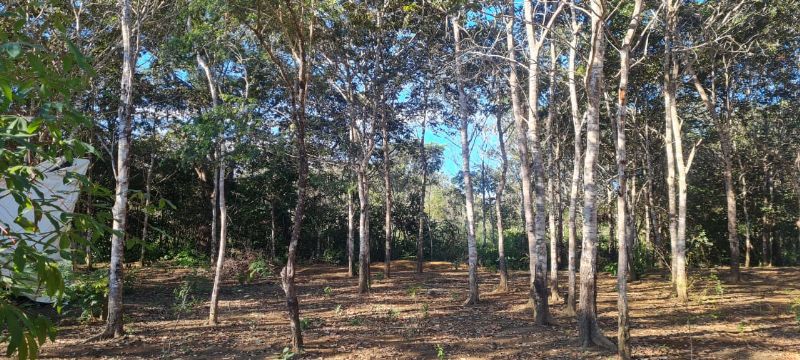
(411, 316)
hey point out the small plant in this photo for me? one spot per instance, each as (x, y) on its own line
(610, 268)
(87, 294)
(719, 289)
(392, 314)
(190, 259)
(378, 276)
(338, 310)
(327, 291)
(440, 352)
(286, 354)
(740, 327)
(258, 269)
(413, 290)
(795, 308)
(424, 309)
(356, 321)
(454, 296)
(305, 323)
(188, 294)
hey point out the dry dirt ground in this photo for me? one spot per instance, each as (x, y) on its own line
(414, 316)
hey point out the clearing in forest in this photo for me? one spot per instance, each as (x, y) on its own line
(412, 316)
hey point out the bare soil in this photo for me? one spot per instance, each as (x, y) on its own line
(409, 316)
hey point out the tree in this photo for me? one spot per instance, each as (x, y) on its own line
(623, 332)
(463, 115)
(114, 323)
(537, 248)
(577, 124)
(588, 330)
(294, 25)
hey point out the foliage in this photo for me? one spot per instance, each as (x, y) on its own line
(440, 352)
(189, 293)
(87, 294)
(39, 78)
(258, 269)
(795, 309)
(188, 258)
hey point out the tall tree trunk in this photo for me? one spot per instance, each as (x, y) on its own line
(498, 204)
(423, 163)
(363, 230)
(588, 330)
(537, 250)
(272, 239)
(552, 159)
(219, 181)
(223, 229)
(387, 183)
(119, 212)
(214, 215)
(724, 127)
(672, 75)
(472, 249)
(577, 124)
(351, 214)
(623, 221)
(483, 199)
(148, 178)
(766, 205)
(670, 138)
(748, 245)
(521, 125)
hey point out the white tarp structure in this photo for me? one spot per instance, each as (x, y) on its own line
(58, 194)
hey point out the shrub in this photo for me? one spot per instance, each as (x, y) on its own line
(87, 294)
(188, 294)
(189, 259)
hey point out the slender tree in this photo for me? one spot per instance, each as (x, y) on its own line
(119, 212)
(577, 125)
(537, 248)
(473, 296)
(588, 329)
(623, 328)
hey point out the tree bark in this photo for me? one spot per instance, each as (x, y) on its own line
(363, 230)
(472, 249)
(552, 159)
(498, 204)
(351, 214)
(423, 163)
(676, 172)
(537, 250)
(223, 229)
(588, 330)
(623, 222)
(119, 211)
(272, 231)
(577, 124)
(387, 183)
(521, 125)
(148, 178)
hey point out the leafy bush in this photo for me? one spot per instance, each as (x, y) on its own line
(258, 269)
(333, 256)
(190, 259)
(87, 294)
(39, 77)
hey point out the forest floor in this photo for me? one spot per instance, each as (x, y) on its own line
(411, 316)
